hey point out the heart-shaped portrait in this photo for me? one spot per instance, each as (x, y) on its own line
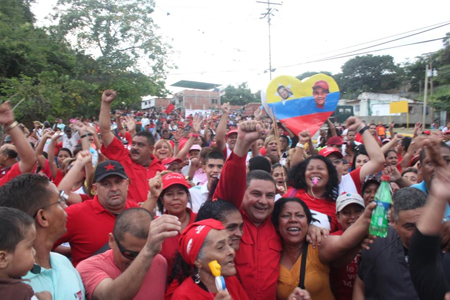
(301, 105)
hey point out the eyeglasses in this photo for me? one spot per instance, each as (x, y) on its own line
(62, 199)
(128, 254)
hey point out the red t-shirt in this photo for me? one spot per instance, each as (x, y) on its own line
(100, 267)
(170, 245)
(318, 204)
(59, 176)
(14, 172)
(359, 138)
(138, 174)
(342, 279)
(188, 290)
(88, 226)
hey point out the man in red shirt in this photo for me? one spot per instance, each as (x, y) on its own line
(90, 222)
(140, 164)
(257, 260)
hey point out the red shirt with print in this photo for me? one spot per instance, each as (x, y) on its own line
(138, 174)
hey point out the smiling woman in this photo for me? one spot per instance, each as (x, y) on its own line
(201, 243)
(314, 181)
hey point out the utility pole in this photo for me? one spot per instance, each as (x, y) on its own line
(269, 14)
(425, 98)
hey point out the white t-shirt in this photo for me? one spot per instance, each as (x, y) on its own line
(71, 142)
(199, 194)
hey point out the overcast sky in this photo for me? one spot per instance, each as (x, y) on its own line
(226, 42)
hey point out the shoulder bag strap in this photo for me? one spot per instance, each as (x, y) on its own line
(301, 283)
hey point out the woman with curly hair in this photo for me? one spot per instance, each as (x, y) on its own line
(315, 181)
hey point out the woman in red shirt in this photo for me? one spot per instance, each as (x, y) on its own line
(315, 181)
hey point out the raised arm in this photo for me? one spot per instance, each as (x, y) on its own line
(376, 162)
(26, 153)
(393, 142)
(51, 153)
(334, 247)
(40, 148)
(127, 284)
(231, 186)
(84, 158)
(332, 128)
(120, 128)
(195, 133)
(105, 116)
(303, 138)
(131, 125)
(222, 127)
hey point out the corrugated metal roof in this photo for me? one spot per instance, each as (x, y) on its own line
(196, 85)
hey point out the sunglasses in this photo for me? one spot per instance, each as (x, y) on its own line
(128, 254)
(62, 199)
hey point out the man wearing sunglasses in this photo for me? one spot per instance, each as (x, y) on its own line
(132, 269)
(39, 198)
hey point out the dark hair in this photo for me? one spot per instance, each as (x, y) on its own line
(259, 175)
(406, 141)
(374, 178)
(65, 149)
(360, 149)
(26, 192)
(259, 163)
(273, 158)
(296, 177)
(408, 170)
(148, 135)
(160, 204)
(14, 226)
(389, 151)
(423, 152)
(279, 165)
(408, 198)
(11, 153)
(135, 221)
(279, 207)
(217, 209)
(213, 155)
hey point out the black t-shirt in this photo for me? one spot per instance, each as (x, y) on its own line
(429, 267)
(385, 271)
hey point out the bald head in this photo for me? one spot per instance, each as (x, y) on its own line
(135, 221)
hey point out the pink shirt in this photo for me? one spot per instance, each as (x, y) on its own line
(99, 267)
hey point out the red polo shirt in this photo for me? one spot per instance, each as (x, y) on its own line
(138, 174)
(257, 260)
(13, 172)
(88, 225)
(170, 245)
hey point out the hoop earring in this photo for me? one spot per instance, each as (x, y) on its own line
(197, 277)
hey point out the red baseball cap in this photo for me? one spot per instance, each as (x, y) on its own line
(427, 132)
(321, 83)
(329, 150)
(170, 160)
(334, 140)
(447, 132)
(174, 178)
(231, 132)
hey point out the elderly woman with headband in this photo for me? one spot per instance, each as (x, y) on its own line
(201, 243)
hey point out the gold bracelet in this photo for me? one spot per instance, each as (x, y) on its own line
(12, 125)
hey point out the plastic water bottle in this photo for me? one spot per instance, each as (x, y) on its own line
(379, 225)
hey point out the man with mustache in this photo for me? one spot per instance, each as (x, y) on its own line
(90, 222)
(139, 163)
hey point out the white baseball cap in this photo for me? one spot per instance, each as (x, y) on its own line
(348, 198)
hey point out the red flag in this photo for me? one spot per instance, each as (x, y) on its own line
(169, 108)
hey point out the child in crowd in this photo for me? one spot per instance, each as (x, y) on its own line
(17, 255)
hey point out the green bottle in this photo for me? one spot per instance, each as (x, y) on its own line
(379, 225)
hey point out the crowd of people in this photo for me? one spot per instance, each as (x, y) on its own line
(148, 205)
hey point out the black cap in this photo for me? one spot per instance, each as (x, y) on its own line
(67, 128)
(108, 168)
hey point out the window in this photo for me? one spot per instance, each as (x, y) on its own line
(213, 101)
(357, 108)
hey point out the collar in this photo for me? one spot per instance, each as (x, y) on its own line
(98, 207)
(204, 188)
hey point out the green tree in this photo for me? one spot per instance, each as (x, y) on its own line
(369, 74)
(239, 95)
